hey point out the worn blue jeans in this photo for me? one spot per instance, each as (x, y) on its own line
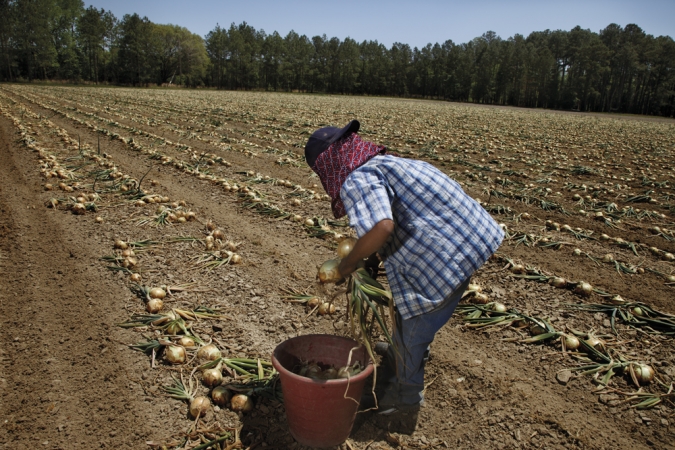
(403, 370)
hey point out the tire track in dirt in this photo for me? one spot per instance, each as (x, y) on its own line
(63, 378)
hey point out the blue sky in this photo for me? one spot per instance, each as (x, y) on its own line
(412, 22)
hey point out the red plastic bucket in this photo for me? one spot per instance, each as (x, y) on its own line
(318, 413)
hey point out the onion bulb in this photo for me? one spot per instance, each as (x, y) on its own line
(209, 352)
(241, 403)
(595, 343)
(326, 308)
(186, 342)
(536, 330)
(218, 234)
(212, 377)
(499, 307)
(313, 302)
(220, 395)
(328, 272)
(175, 354)
(78, 209)
(517, 268)
(644, 373)
(617, 300)
(571, 342)
(479, 298)
(157, 293)
(135, 277)
(557, 282)
(98, 219)
(345, 247)
(576, 252)
(154, 305)
(637, 311)
(199, 406)
(474, 288)
(608, 258)
(583, 288)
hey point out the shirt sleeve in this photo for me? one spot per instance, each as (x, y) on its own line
(367, 199)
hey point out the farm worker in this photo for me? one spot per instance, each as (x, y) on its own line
(429, 233)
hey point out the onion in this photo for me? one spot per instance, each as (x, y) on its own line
(571, 342)
(637, 311)
(128, 252)
(617, 300)
(517, 268)
(175, 354)
(328, 272)
(218, 234)
(558, 282)
(130, 261)
(519, 323)
(499, 307)
(157, 293)
(608, 258)
(210, 225)
(313, 302)
(577, 252)
(309, 223)
(236, 259)
(241, 403)
(212, 377)
(98, 219)
(199, 406)
(536, 330)
(644, 373)
(136, 277)
(330, 374)
(209, 352)
(326, 308)
(583, 288)
(474, 288)
(154, 305)
(595, 343)
(480, 298)
(220, 395)
(345, 247)
(186, 342)
(78, 208)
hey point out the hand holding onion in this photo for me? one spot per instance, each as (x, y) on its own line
(355, 251)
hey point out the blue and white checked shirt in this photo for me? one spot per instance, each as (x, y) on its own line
(441, 235)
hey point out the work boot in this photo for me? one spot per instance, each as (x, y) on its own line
(398, 419)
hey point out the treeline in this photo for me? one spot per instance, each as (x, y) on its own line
(618, 69)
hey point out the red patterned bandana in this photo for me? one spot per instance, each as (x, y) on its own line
(340, 159)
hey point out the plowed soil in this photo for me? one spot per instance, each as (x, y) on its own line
(69, 380)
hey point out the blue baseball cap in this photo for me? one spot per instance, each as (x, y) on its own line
(321, 139)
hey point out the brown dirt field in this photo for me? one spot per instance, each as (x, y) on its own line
(68, 378)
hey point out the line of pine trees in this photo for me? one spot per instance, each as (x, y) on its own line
(615, 70)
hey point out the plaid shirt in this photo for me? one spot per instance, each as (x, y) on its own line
(441, 235)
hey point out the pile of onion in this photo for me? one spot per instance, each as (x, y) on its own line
(155, 302)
